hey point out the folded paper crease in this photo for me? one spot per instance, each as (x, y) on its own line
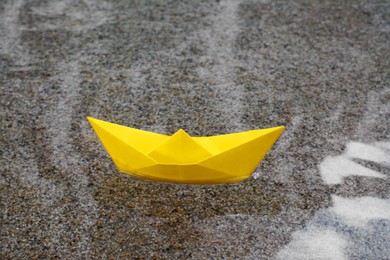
(182, 158)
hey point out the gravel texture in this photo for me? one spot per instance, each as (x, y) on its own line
(321, 68)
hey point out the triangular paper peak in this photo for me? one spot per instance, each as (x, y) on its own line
(181, 132)
(179, 148)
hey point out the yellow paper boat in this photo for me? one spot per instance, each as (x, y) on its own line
(182, 158)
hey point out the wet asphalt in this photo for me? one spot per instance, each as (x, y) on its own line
(320, 68)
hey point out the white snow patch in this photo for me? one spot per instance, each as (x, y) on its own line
(334, 169)
(219, 39)
(385, 146)
(367, 152)
(10, 31)
(314, 243)
(287, 136)
(63, 153)
(136, 85)
(359, 211)
(324, 242)
(91, 15)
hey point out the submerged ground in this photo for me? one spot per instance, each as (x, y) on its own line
(321, 68)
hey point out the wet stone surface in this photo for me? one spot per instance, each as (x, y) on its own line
(321, 68)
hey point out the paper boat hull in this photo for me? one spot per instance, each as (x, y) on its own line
(184, 159)
(187, 174)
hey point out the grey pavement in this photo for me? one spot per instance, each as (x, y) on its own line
(321, 68)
